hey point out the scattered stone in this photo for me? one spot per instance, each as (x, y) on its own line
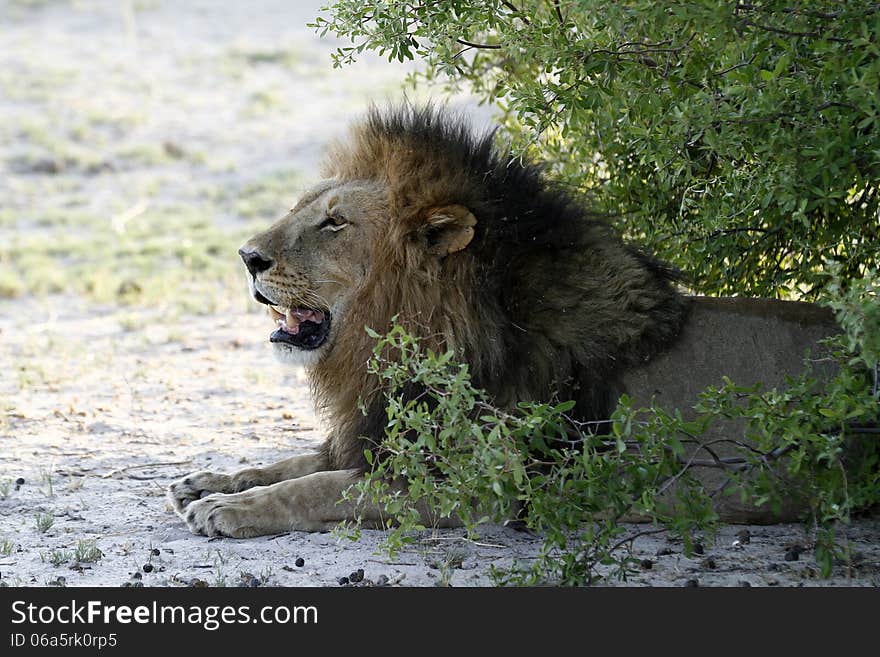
(744, 536)
(19, 481)
(147, 567)
(710, 563)
(793, 553)
(692, 583)
(647, 564)
(356, 576)
(136, 576)
(250, 581)
(382, 580)
(662, 552)
(343, 581)
(300, 562)
(698, 548)
(197, 583)
(173, 150)
(743, 583)
(155, 552)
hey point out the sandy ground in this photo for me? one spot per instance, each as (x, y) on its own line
(101, 406)
(122, 411)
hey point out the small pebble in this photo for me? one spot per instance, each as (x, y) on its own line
(147, 567)
(382, 580)
(19, 481)
(136, 576)
(343, 581)
(743, 583)
(155, 552)
(710, 563)
(662, 552)
(736, 545)
(357, 576)
(137, 585)
(647, 564)
(744, 536)
(300, 562)
(250, 581)
(698, 548)
(794, 552)
(692, 583)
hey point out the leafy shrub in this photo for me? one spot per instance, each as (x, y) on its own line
(449, 450)
(740, 141)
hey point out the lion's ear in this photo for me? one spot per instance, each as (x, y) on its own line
(448, 229)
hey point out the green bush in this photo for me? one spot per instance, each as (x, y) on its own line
(462, 457)
(740, 141)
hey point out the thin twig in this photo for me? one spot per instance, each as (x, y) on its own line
(143, 466)
(735, 66)
(777, 30)
(630, 539)
(518, 12)
(462, 538)
(558, 12)
(481, 46)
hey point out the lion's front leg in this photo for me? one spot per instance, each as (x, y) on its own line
(309, 503)
(186, 490)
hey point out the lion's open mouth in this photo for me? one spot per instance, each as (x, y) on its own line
(303, 328)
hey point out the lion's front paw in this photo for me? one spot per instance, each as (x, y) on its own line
(185, 491)
(221, 515)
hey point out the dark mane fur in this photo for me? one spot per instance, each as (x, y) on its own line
(545, 302)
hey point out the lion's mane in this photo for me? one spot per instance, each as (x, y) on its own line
(546, 302)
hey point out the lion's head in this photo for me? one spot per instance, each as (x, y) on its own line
(310, 265)
(419, 218)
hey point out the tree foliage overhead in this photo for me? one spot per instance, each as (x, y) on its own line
(740, 141)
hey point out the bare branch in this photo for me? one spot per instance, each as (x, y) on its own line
(777, 30)
(518, 12)
(735, 66)
(481, 46)
(558, 12)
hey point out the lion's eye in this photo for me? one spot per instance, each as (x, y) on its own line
(333, 222)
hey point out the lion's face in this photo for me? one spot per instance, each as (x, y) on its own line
(306, 267)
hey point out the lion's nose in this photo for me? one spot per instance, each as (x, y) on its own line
(254, 262)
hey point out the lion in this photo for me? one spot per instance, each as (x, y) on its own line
(419, 217)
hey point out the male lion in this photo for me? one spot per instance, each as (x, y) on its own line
(473, 250)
